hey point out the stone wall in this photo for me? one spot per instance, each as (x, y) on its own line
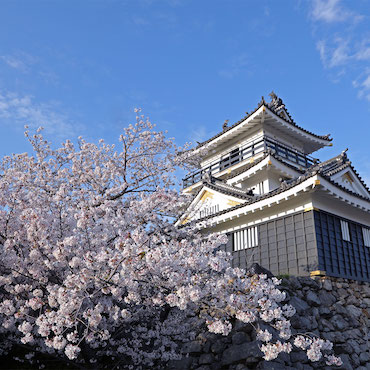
(332, 308)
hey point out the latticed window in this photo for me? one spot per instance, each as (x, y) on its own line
(246, 238)
(366, 235)
(209, 211)
(345, 230)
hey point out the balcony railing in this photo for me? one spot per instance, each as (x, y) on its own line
(248, 151)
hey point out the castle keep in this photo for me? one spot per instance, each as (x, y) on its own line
(279, 206)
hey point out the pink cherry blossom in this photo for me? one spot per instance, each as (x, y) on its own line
(92, 266)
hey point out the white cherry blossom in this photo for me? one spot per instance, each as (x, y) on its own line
(92, 266)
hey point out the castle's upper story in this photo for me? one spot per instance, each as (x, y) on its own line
(264, 156)
(268, 127)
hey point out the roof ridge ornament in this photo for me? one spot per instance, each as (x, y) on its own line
(276, 103)
(207, 177)
(344, 156)
(272, 95)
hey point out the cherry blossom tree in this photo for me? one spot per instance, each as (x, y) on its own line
(93, 270)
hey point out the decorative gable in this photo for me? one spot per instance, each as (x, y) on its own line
(208, 202)
(349, 180)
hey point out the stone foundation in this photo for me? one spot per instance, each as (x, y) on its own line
(331, 308)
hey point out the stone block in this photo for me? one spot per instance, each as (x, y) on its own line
(183, 364)
(192, 347)
(346, 363)
(241, 367)
(299, 304)
(343, 348)
(326, 298)
(273, 365)
(240, 337)
(206, 358)
(325, 312)
(354, 311)
(218, 346)
(355, 360)
(364, 358)
(307, 281)
(299, 357)
(312, 299)
(240, 352)
(327, 324)
(327, 285)
(354, 344)
(339, 322)
(339, 308)
(294, 283)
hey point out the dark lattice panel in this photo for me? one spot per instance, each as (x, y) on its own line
(285, 246)
(338, 257)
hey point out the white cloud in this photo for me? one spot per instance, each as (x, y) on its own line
(366, 83)
(362, 84)
(363, 50)
(351, 57)
(343, 56)
(340, 54)
(337, 54)
(19, 111)
(331, 11)
(20, 60)
(14, 62)
(27, 63)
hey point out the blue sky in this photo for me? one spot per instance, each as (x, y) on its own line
(80, 67)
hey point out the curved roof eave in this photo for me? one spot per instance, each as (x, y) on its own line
(324, 138)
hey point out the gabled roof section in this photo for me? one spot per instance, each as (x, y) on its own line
(324, 170)
(285, 186)
(277, 108)
(288, 186)
(334, 167)
(215, 195)
(268, 159)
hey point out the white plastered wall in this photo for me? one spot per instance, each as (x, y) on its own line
(290, 206)
(330, 204)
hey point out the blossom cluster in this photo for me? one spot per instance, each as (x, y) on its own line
(92, 266)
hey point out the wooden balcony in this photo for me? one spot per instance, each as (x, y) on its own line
(238, 155)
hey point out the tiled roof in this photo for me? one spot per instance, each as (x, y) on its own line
(286, 185)
(224, 188)
(271, 108)
(229, 128)
(325, 169)
(247, 167)
(322, 137)
(251, 165)
(333, 165)
(336, 164)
